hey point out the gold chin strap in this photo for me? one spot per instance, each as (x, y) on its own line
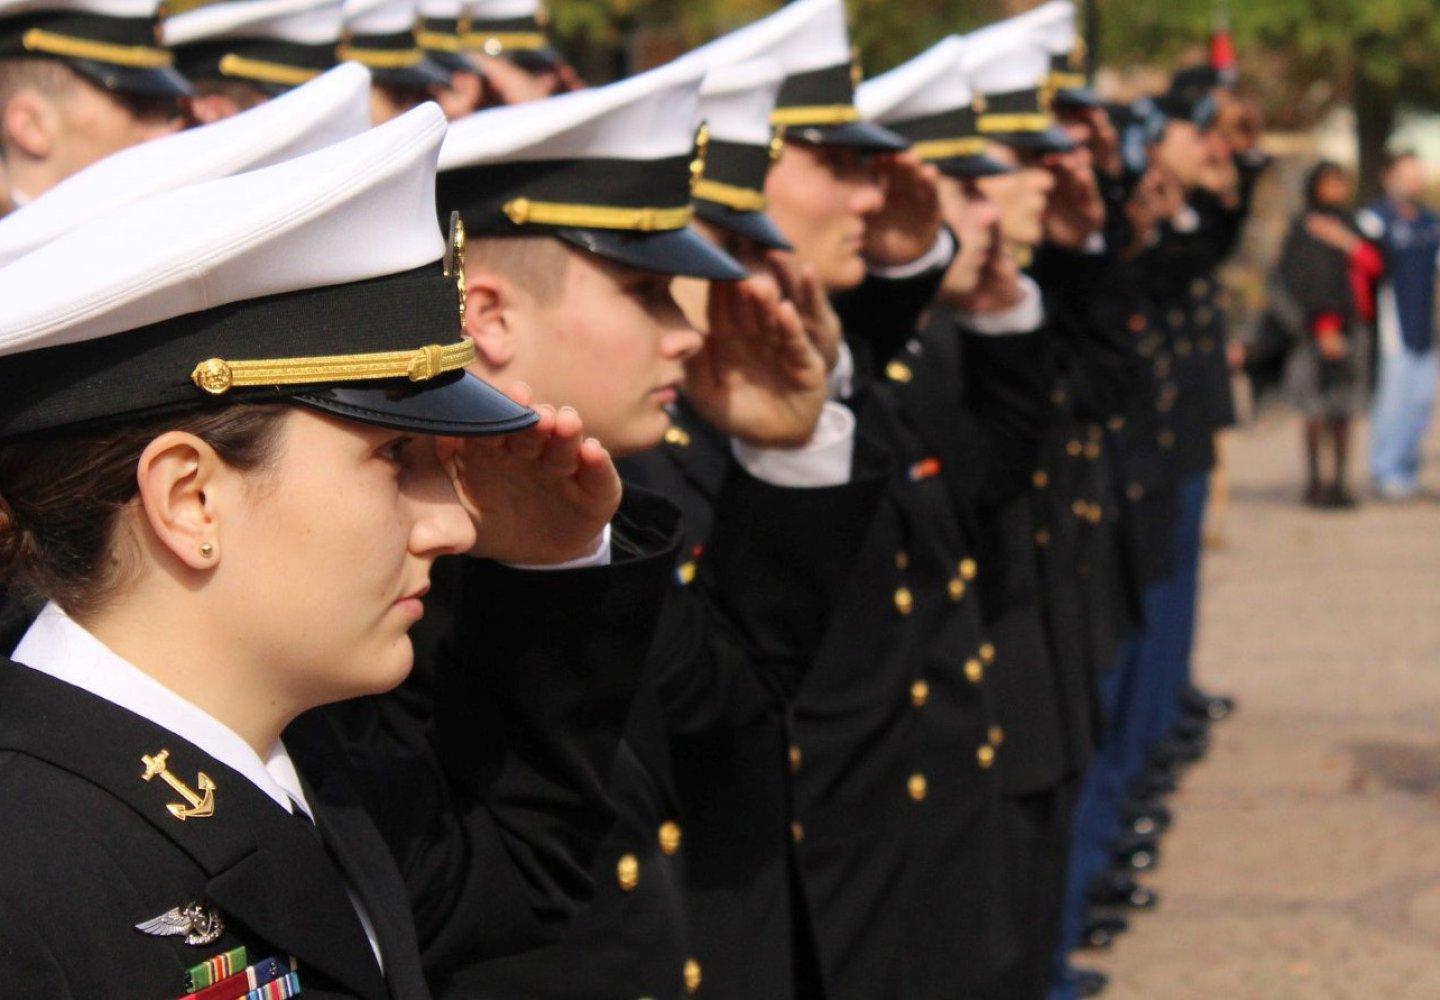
(381, 58)
(1060, 80)
(218, 376)
(818, 114)
(738, 198)
(260, 71)
(523, 211)
(494, 43)
(1035, 122)
(945, 149)
(133, 56)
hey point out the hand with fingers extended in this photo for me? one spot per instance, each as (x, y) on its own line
(999, 288)
(909, 223)
(801, 285)
(539, 497)
(1076, 210)
(759, 378)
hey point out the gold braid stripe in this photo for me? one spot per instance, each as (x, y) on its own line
(818, 114)
(731, 196)
(136, 56)
(502, 40)
(381, 58)
(944, 149)
(265, 72)
(1036, 122)
(523, 211)
(438, 41)
(218, 376)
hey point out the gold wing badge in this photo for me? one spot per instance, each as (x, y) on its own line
(200, 924)
(200, 806)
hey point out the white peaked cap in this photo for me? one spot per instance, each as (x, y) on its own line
(441, 8)
(647, 117)
(379, 17)
(105, 8)
(303, 22)
(360, 209)
(496, 10)
(930, 84)
(736, 101)
(1007, 63)
(1051, 24)
(327, 110)
(801, 36)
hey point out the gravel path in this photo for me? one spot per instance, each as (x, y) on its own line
(1305, 859)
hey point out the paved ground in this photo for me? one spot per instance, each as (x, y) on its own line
(1305, 861)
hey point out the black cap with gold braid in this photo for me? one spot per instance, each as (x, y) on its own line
(381, 35)
(513, 30)
(117, 52)
(272, 45)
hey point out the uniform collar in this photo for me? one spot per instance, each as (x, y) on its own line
(58, 646)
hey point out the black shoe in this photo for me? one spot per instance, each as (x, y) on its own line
(1141, 854)
(1146, 818)
(1209, 706)
(1121, 889)
(1101, 930)
(1172, 753)
(1088, 982)
(1338, 497)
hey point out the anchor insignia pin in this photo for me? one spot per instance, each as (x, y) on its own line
(201, 806)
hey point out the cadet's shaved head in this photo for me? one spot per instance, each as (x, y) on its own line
(536, 263)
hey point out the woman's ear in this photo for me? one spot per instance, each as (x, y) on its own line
(490, 301)
(177, 477)
(31, 122)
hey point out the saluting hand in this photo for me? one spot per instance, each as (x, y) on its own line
(1076, 210)
(759, 378)
(909, 223)
(538, 497)
(801, 285)
(998, 289)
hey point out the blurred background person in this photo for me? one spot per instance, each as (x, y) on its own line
(1408, 235)
(1321, 298)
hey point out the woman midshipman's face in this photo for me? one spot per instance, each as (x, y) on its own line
(327, 559)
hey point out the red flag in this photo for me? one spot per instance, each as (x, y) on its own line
(1222, 49)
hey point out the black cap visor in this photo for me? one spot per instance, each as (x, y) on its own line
(1051, 140)
(456, 405)
(453, 62)
(751, 225)
(681, 252)
(855, 135)
(966, 167)
(1077, 97)
(162, 81)
(422, 75)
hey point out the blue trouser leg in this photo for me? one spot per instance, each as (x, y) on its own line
(1401, 413)
(1097, 812)
(1178, 639)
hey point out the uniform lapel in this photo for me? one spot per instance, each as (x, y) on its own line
(263, 870)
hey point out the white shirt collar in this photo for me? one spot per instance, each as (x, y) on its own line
(56, 645)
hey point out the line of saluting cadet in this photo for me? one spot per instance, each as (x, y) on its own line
(809, 617)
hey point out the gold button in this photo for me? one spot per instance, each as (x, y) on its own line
(669, 837)
(919, 693)
(898, 371)
(969, 568)
(685, 573)
(1079, 507)
(1135, 492)
(795, 758)
(987, 653)
(1116, 424)
(1096, 514)
(957, 589)
(1092, 450)
(1167, 439)
(627, 872)
(917, 786)
(1058, 397)
(797, 831)
(1042, 538)
(904, 601)
(1183, 348)
(692, 976)
(1138, 323)
(974, 671)
(985, 756)
(678, 437)
(1074, 448)
(902, 560)
(1040, 479)
(997, 736)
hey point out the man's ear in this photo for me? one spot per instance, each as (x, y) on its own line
(490, 302)
(178, 477)
(206, 109)
(32, 123)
